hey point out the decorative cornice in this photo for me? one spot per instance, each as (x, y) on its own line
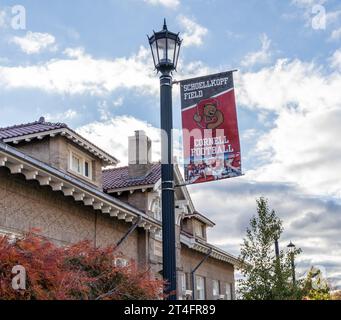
(204, 248)
(200, 217)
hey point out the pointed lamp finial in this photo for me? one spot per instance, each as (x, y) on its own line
(164, 24)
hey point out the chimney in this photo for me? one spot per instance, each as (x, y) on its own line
(139, 154)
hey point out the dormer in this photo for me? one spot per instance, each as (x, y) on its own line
(60, 147)
(196, 225)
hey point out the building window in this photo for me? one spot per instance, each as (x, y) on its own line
(200, 287)
(185, 292)
(87, 169)
(157, 209)
(183, 282)
(215, 289)
(229, 291)
(199, 230)
(80, 165)
(76, 164)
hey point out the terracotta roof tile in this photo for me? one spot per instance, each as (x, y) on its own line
(42, 126)
(118, 178)
(29, 128)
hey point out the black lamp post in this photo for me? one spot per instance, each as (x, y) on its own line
(276, 248)
(292, 248)
(165, 46)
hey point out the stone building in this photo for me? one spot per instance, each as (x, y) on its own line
(54, 180)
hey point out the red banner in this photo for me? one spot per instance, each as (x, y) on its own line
(210, 128)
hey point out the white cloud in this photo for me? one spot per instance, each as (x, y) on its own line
(287, 84)
(249, 134)
(262, 56)
(112, 135)
(35, 42)
(74, 52)
(194, 32)
(302, 150)
(308, 3)
(104, 108)
(118, 102)
(62, 117)
(302, 147)
(80, 73)
(335, 35)
(172, 4)
(336, 59)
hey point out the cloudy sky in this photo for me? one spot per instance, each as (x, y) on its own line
(87, 64)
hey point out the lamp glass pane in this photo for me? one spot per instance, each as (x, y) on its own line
(154, 52)
(171, 50)
(176, 54)
(162, 46)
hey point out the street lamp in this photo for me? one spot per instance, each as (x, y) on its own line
(165, 47)
(292, 248)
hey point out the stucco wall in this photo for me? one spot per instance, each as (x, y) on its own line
(25, 205)
(138, 199)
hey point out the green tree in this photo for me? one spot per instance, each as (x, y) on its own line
(316, 287)
(264, 276)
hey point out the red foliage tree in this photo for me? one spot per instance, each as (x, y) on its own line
(77, 272)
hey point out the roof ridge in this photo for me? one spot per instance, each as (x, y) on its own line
(113, 169)
(34, 123)
(125, 167)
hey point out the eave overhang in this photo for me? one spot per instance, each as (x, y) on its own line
(198, 216)
(131, 189)
(72, 136)
(205, 248)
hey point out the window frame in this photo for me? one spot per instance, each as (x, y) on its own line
(199, 229)
(83, 159)
(183, 282)
(200, 291)
(214, 288)
(229, 291)
(156, 204)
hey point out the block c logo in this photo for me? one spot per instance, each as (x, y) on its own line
(19, 281)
